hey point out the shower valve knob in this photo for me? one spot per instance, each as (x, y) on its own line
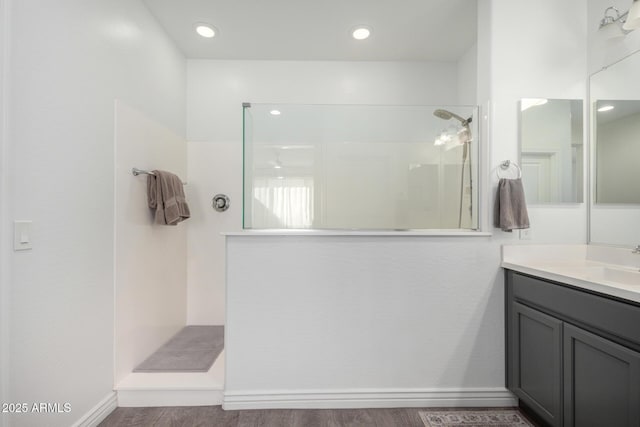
(221, 202)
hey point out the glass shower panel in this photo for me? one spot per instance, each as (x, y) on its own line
(360, 167)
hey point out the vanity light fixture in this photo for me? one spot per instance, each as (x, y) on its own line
(611, 24)
(361, 33)
(616, 25)
(275, 112)
(633, 18)
(205, 30)
(605, 108)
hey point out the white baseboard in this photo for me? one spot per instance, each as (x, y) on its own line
(382, 398)
(98, 412)
(148, 398)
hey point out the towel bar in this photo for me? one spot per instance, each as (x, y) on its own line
(136, 172)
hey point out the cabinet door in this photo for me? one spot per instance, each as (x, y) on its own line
(535, 341)
(602, 381)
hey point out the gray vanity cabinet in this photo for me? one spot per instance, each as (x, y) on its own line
(536, 353)
(602, 381)
(573, 356)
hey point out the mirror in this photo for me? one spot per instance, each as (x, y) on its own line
(615, 150)
(551, 144)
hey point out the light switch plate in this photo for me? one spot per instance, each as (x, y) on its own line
(525, 234)
(22, 235)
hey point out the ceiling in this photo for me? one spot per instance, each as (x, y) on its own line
(402, 30)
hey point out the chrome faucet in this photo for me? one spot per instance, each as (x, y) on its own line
(636, 250)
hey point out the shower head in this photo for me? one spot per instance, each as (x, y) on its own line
(447, 115)
(443, 114)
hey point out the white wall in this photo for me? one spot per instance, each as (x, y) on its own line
(402, 321)
(540, 56)
(63, 79)
(615, 220)
(346, 296)
(5, 243)
(467, 77)
(617, 165)
(150, 259)
(216, 90)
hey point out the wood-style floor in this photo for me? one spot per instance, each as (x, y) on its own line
(209, 416)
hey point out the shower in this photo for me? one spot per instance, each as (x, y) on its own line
(466, 131)
(447, 115)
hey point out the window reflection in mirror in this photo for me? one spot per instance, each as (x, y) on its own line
(551, 138)
(617, 128)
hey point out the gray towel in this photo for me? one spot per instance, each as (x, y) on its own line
(166, 195)
(510, 211)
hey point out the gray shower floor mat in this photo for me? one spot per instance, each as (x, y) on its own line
(193, 349)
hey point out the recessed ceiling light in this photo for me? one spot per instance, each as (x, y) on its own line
(205, 30)
(606, 108)
(361, 33)
(275, 112)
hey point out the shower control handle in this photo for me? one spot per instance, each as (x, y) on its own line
(221, 202)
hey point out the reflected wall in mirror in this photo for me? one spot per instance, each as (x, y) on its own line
(617, 132)
(615, 149)
(552, 148)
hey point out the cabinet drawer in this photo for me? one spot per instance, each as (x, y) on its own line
(614, 317)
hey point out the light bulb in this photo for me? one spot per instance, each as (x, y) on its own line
(361, 33)
(205, 30)
(633, 18)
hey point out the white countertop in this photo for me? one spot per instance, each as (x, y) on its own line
(607, 270)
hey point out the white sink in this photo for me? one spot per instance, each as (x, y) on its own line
(613, 274)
